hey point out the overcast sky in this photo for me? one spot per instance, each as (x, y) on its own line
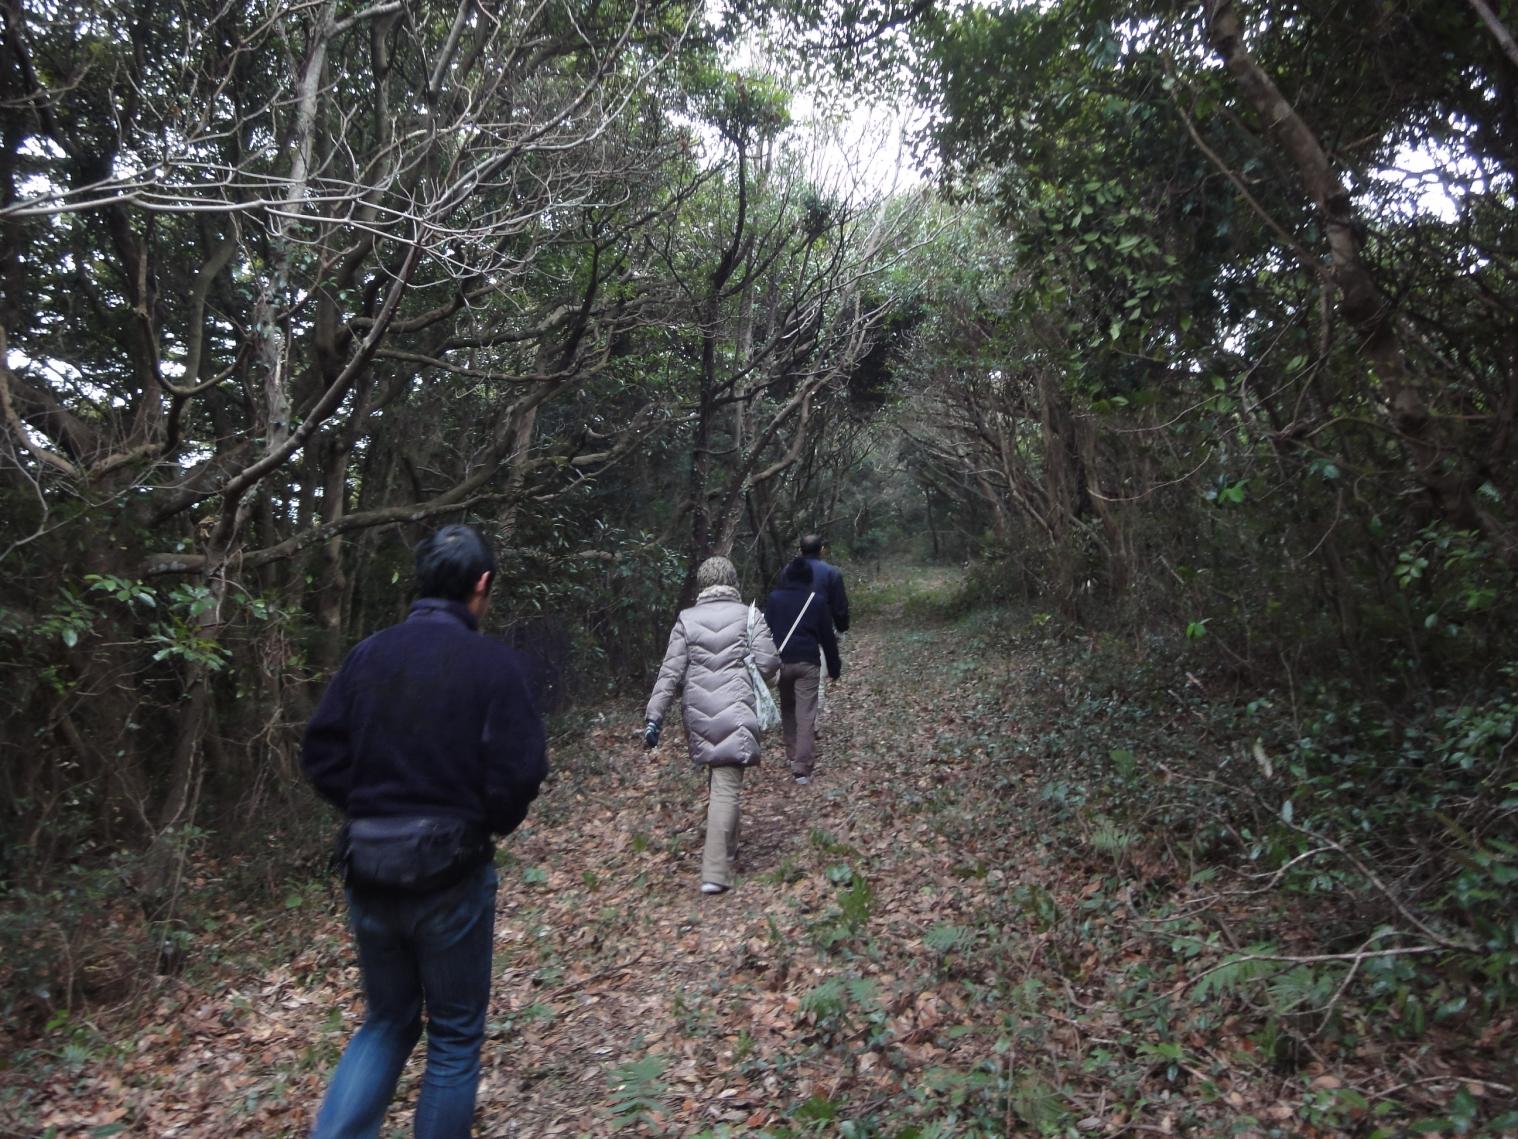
(862, 150)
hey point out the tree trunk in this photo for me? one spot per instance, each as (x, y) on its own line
(182, 795)
(1360, 300)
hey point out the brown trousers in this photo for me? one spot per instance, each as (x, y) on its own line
(799, 684)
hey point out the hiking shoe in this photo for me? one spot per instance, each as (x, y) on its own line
(803, 780)
(713, 888)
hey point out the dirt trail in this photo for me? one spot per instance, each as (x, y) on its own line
(625, 1000)
(634, 963)
(940, 936)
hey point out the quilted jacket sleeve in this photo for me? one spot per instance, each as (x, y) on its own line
(671, 673)
(765, 654)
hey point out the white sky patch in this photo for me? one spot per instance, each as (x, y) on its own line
(858, 150)
(1421, 176)
(62, 372)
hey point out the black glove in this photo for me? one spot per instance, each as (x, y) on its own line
(651, 734)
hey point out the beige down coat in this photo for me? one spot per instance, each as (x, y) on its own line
(705, 655)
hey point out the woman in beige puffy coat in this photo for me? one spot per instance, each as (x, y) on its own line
(705, 656)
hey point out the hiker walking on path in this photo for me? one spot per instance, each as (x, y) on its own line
(829, 580)
(799, 614)
(428, 741)
(706, 655)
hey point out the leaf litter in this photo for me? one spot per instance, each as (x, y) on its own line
(914, 947)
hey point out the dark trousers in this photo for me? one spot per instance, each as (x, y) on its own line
(431, 951)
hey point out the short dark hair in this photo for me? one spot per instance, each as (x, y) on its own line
(798, 571)
(811, 546)
(449, 562)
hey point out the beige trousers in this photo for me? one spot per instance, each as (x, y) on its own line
(721, 824)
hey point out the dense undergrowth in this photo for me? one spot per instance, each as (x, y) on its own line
(1396, 824)
(1044, 885)
(1337, 873)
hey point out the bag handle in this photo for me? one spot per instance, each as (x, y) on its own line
(794, 623)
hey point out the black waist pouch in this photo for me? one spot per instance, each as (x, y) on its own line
(411, 855)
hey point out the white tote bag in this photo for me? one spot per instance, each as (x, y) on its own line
(765, 708)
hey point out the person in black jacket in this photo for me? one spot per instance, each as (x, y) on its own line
(429, 743)
(802, 624)
(828, 579)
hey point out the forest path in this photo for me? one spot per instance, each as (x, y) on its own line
(943, 935)
(627, 1000)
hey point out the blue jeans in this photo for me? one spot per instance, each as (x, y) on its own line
(432, 950)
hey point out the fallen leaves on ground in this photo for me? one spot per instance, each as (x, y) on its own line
(911, 944)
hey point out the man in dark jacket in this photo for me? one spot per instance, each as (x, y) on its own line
(428, 741)
(797, 614)
(829, 579)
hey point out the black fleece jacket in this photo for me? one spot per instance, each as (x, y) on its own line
(815, 629)
(829, 579)
(425, 718)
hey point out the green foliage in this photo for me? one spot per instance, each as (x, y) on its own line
(1129, 306)
(1451, 577)
(949, 938)
(826, 1002)
(122, 589)
(827, 843)
(747, 108)
(636, 1090)
(1036, 903)
(68, 621)
(844, 1006)
(1444, 778)
(1111, 839)
(846, 921)
(789, 871)
(1392, 826)
(178, 632)
(1235, 971)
